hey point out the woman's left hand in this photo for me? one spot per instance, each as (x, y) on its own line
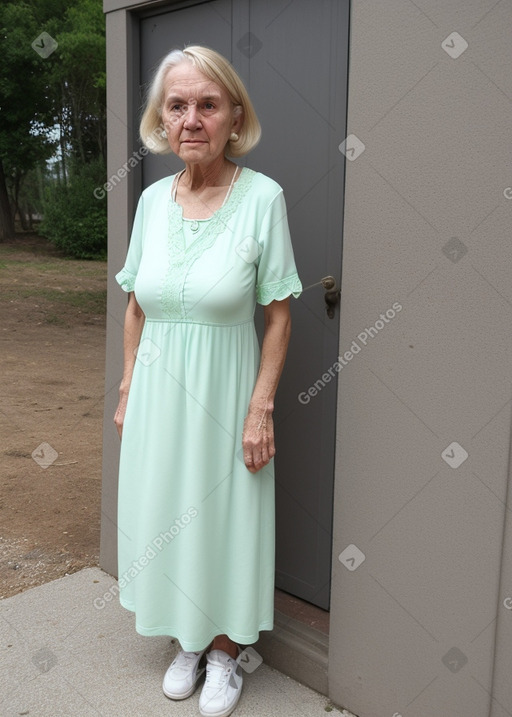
(258, 435)
(258, 439)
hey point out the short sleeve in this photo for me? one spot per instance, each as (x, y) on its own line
(277, 276)
(126, 277)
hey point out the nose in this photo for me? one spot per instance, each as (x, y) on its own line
(192, 120)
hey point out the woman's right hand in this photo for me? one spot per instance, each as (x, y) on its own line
(120, 412)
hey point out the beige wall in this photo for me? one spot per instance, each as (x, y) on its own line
(435, 169)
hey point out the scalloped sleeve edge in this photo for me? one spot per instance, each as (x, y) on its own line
(126, 280)
(279, 290)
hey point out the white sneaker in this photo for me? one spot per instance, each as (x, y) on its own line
(180, 680)
(223, 686)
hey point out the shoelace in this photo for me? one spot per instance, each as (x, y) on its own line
(182, 659)
(217, 675)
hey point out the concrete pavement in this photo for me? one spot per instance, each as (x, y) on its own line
(66, 651)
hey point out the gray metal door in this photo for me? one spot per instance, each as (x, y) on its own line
(293, 59)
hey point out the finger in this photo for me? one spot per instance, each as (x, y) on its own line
(270, 436)
(118, 423)
(252, 460)
(259, 466)
(248, 460)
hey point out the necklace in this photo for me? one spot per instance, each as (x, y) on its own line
(194, 225)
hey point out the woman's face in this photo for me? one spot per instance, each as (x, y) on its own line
(197, 114)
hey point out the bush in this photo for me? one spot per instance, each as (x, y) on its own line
(74, 220)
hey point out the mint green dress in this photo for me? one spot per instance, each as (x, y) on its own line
(195, 527)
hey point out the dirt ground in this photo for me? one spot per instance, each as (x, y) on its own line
(51, 412)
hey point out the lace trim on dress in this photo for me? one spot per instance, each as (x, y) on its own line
(181, 258)
(126, 280)
(278, 290)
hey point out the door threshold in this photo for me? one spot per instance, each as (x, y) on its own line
(302, 611)
(296, 649)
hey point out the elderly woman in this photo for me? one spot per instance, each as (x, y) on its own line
(196, 484)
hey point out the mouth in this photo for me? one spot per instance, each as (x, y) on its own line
(193, 141)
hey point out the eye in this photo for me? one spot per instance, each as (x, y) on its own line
(209, 106)
(176, 107)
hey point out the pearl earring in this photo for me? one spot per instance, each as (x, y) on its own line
(163, 134)
(233, 136)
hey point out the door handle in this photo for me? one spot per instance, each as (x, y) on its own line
(332, 295)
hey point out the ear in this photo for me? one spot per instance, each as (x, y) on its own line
(238, 118)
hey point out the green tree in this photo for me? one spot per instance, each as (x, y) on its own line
(25, 108)
(83, 80)
(50, 100)
(74, 220)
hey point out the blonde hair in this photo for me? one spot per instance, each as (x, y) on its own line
(216, 68)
